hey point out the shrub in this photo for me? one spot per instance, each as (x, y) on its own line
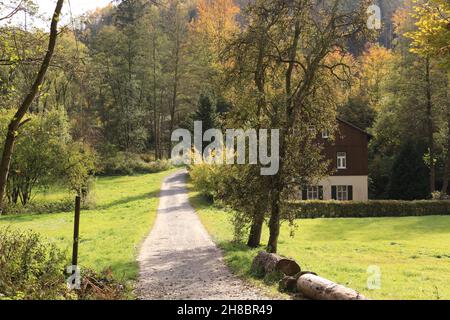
(128, 164)
(80, 165)
(438, 195)
(376, 208)
(40, 207)
(239, 187)
(206, 179)
(30, 268)
(152, 167)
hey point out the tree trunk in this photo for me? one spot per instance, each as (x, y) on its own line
(267, 263)
(430, 126)
(258, 218)
(175, 86)
(274, 222)
(318, 288)
(16, 122)
(278, 185)
(445, 176)
(155, 120)
(254, 238)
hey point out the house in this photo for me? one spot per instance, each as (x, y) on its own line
(348, 155)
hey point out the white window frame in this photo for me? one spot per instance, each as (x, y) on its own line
(341, 160)
(342, 193)
(325, 134)
(312, 193)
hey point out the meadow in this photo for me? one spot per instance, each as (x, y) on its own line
(110, 233)
(412, 253)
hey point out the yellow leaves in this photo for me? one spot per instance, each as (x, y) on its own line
(216, 21)
(432, 34)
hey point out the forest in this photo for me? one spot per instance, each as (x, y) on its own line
(125, 76)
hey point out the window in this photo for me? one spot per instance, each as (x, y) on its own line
(313, 193)
(325, 134)
(342, 193)
(342, 160)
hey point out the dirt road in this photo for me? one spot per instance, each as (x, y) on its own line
(178, 260)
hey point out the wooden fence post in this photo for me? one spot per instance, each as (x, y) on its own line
(76, 231)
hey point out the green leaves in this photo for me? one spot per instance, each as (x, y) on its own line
(44, 154)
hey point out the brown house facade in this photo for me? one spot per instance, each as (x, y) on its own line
(348, 156)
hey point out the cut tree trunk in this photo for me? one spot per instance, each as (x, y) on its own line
(288, 284)
(318, 288)
(267, 263)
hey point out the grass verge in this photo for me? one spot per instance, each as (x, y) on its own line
(413, 253)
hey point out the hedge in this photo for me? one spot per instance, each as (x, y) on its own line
(374, 208)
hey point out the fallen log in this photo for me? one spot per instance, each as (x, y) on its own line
(288, 284)
(318, 288)
(266, 263)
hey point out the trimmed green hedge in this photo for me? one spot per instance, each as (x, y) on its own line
(375, 208)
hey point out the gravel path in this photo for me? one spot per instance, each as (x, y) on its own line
(178, 260)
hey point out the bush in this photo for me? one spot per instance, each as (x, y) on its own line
(44, 154)
(376, 208)
(128, 164)
(239, 187)
(438, 195)
(30, 268)
(206, 179)
(40, 207)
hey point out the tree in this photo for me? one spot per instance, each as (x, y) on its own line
(412, 108)
(288, 60)
(408, 175)
(205, 113)
(16, 121)
(430, 40)
(432, 37)
(58, 159)
(9, 10)
(32, 167)
(146, 72)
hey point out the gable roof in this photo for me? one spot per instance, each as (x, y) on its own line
(355, 127)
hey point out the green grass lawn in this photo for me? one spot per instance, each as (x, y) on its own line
(412, 252)
(110, 234)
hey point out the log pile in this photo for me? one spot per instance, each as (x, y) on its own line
(309, 284)
(318, 288)
(266, 263)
